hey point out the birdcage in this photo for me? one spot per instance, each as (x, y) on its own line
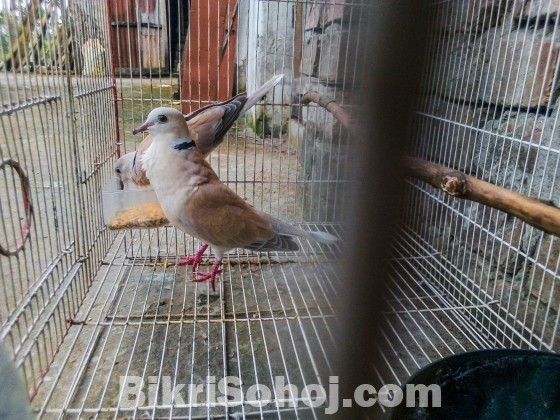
(102, 323)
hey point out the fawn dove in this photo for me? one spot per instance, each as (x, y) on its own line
(195, 200)
(208, 126)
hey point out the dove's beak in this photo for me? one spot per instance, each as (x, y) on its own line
(142, 128)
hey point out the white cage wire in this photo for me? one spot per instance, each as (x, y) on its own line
(466, 276)
(83, 306)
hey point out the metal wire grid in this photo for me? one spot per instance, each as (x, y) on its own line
(74, 117)
(60, 129)
(423, 322)
(460, 279)
(273, 315)
(263, 175)
(485, 256)
(516, 319)
(438, 306)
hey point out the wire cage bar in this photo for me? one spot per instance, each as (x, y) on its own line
(490, 110)
(466, 276)
(49, 129)
(88, 314)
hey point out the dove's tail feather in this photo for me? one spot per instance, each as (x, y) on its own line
(323, 237)
(257, 95)
(277, 243)
(283, 228)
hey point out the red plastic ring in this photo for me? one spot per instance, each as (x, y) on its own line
(25, 187)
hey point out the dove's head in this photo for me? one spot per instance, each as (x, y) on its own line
(123, 168)
(171, 142)
(163, 120)
(129, 169)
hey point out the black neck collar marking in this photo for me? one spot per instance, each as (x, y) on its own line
(184, 145)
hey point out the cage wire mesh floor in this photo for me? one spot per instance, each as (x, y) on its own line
(272, 316)
(82, 307)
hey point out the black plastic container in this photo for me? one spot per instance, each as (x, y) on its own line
(490, 384)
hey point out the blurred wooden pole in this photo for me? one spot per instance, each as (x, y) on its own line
(390, 76)
(298, 39)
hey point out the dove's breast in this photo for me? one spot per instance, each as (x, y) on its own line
(175, 178)
(174, 202)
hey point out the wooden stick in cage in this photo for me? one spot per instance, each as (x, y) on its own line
(533, 211)
(330, 105)
(538, 213)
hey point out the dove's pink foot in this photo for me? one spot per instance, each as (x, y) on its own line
(211, 275)
(194, 260)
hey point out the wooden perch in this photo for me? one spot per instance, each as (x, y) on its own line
(335, 109)
(533, 211)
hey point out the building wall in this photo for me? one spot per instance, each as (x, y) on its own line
(329, 37)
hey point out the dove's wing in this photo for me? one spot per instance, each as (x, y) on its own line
(143, 146)
(258, 94)
(137, 174)
(209, 124)
(224, 220)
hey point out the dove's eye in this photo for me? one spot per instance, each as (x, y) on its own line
(162, 118)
